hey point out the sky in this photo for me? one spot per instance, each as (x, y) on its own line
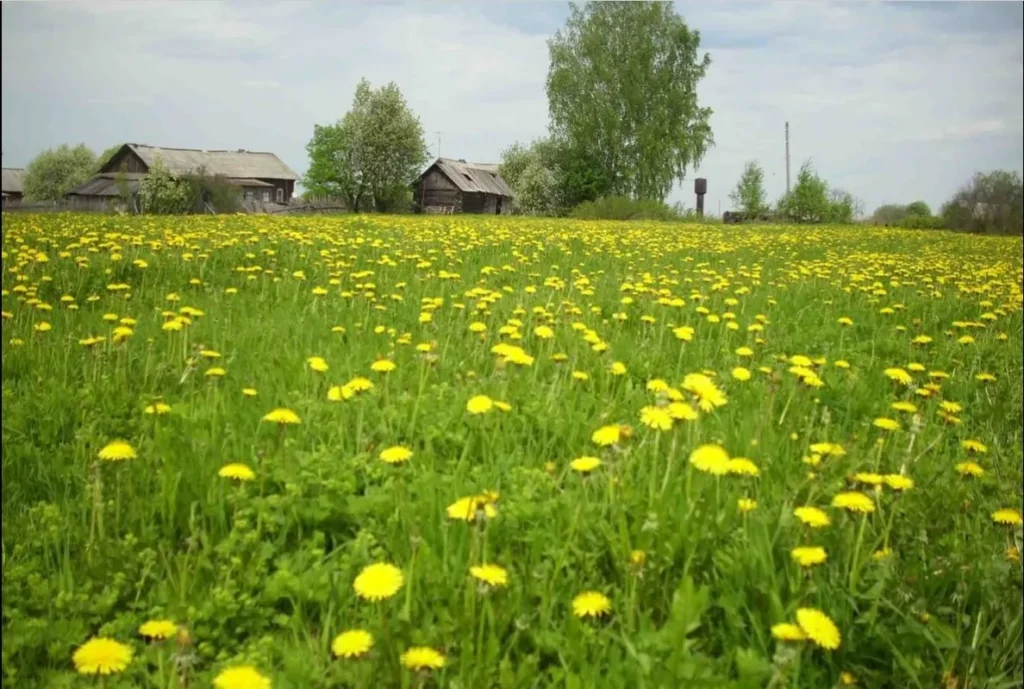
(891, 102)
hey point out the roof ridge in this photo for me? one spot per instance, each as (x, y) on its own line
(200, 150)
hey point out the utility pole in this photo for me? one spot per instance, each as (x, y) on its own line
(787, 157)
(438, 144)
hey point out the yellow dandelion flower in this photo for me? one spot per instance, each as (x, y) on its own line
(353, 643)
(317, 364)
(383, 366)
(887, 424)
(808, 556)
(1008, 516)
(711, 459)
(741, 374)
(899, 482)
(584, 465)
(741, 466)
(282, 416)
(788, 632)
(974, 446)
(684, 333)
(492, 575)
(658, 418)
(591, 604)
(422, 658)
(854, 502)
(250, 392)
(746, 505)
(360, 384)
(607, 435)
(812, 517)
(682, 411)
(869, 478)
(744, 352)
(378, 581)
(481, 404)
(158, 630)
(969, 469)
(617, 368)
(470, 508)
(899, 375)
(337, 393)
(704, 389)
(908, 407)
(101, 656)
(157, 408)
(117, 451)
(657, 385)
(237, 472)
(396, 454)
(819, 628)
(241, 677)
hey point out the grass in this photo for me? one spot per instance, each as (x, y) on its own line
(925, 590)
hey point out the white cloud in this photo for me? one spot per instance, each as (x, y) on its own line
(891, 102)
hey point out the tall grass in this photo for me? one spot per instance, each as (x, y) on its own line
(262, 572)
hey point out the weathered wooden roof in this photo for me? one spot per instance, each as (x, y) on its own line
(473, 178)
(13, 180)
(106, 184)
(240, 164)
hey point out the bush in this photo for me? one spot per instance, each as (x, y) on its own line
(991, 203)
(56, 171)
(624, 208)
(161, 193)
(202, 190)
(921, 222)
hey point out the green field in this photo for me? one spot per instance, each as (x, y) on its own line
(663, 352)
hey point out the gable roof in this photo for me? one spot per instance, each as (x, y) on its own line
(240, 164)
(13, 180)
(473, 178)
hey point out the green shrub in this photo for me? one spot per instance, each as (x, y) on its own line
(215, 191)
(624, 208)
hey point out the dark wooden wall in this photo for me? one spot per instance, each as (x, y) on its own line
(125, 160)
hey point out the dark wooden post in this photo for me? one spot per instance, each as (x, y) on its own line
(700, 187)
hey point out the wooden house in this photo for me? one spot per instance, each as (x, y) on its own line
(261, 177)
(13, 186)
(455, 186)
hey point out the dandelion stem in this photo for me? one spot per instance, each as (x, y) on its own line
(856, 554)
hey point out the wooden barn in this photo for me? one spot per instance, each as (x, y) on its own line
(260, 176)
(13, 186)
(455, 186)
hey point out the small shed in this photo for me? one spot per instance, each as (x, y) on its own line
(13, 185)
(455, 186)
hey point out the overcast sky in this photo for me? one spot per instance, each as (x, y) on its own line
(893, 102)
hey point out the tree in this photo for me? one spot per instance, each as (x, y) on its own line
(372, 154)
(842, 207)
(108, 153)
(808, 201)
(622, 96)
(161, 193)
(919, 208)
(991, 202)
(55, 171)
(529, 172)
(749, 193)
(889, 214)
